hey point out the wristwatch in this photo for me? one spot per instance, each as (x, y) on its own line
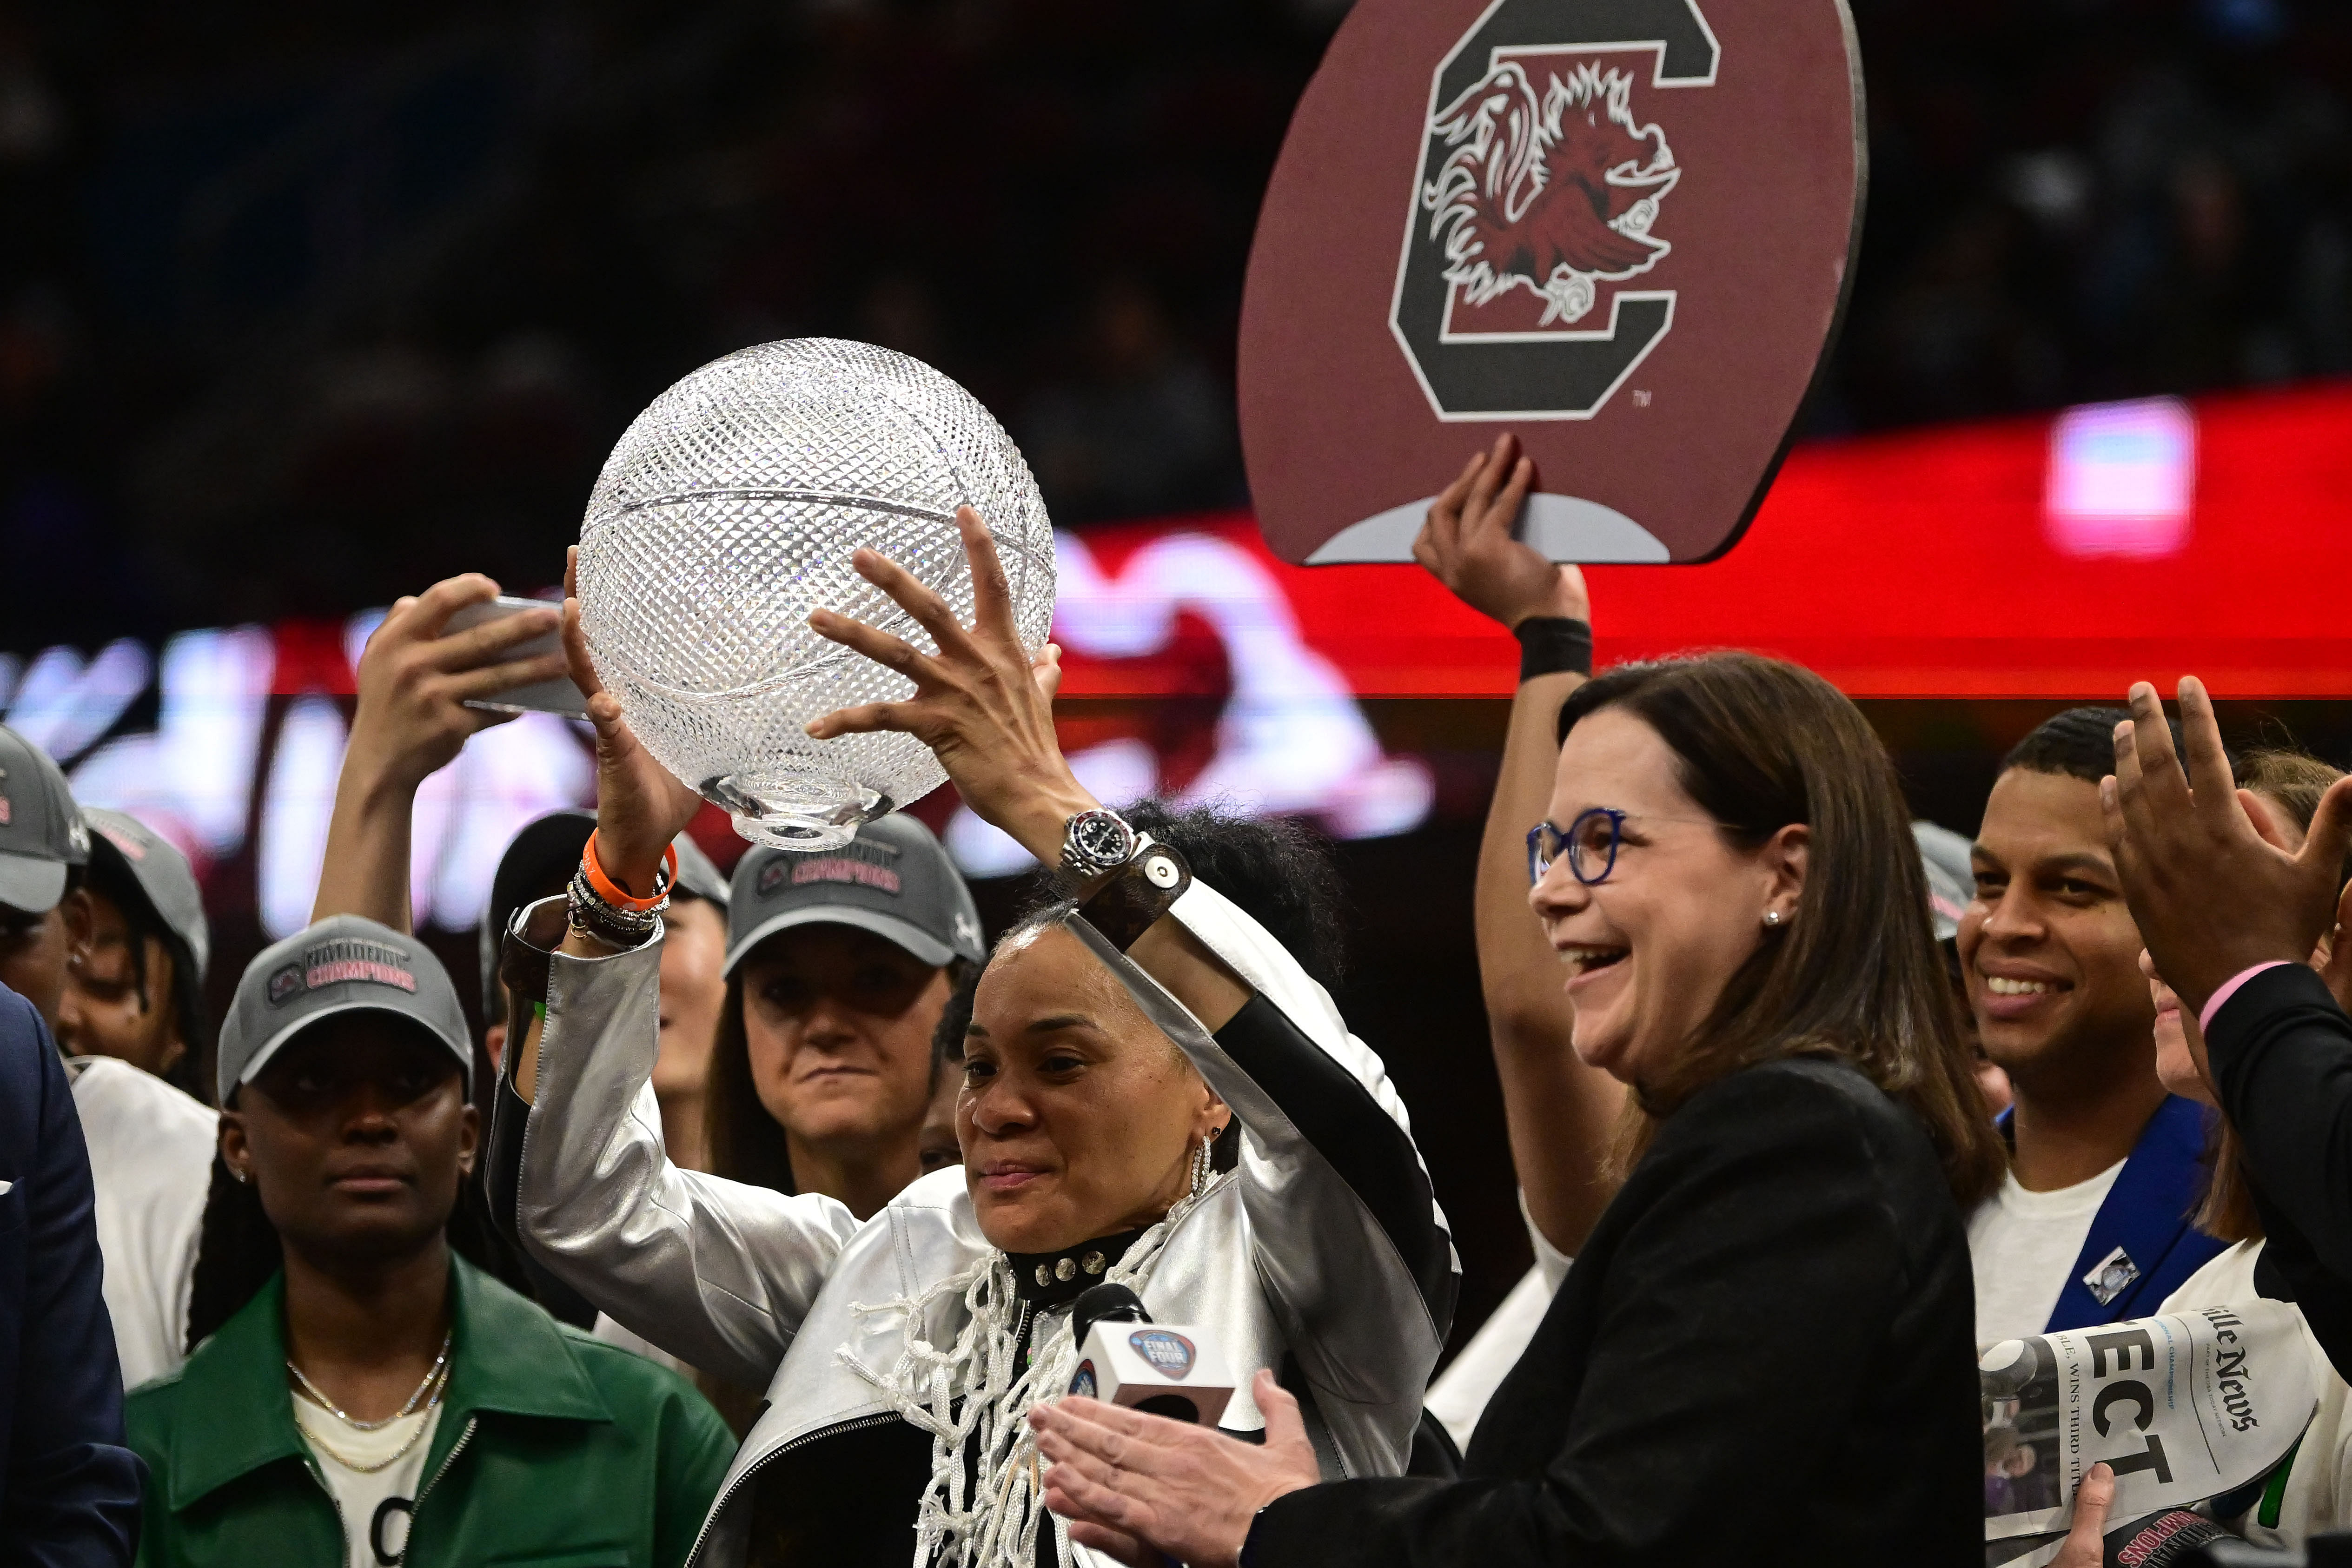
(1095, 842)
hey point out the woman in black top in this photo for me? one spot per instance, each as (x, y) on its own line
(1764, 1352)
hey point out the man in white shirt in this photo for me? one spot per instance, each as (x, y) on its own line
(2091, 1226)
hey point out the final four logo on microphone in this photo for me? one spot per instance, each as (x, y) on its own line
(1171, 1355)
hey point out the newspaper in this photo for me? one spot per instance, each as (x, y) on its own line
(2183, 1407)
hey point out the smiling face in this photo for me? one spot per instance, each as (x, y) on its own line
(354, 1137)
(1649, 949)
(837, 1026)
(2047, 950)
(1078, 1118)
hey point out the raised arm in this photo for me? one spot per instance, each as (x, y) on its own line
(413, 679)
(1560, 1112)
(717, 1272)
(1350, 1245)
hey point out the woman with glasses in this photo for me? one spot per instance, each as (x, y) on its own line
(1764, 1352)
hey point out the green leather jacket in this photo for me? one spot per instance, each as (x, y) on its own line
(553, 1449)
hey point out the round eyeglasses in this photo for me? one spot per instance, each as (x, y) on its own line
(1589, 843)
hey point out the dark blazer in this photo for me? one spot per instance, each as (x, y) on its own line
(69, 1490)
(1764, 1354)
(2281, 1054)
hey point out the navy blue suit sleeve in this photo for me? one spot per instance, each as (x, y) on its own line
(69, 1492)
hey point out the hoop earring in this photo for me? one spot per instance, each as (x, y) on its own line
(1202, 1169)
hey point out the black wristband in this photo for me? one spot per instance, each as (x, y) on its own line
(1552, 644)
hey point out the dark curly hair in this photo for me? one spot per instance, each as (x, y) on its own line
(1276, 870)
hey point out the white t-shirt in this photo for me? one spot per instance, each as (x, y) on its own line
(2023, 1245)
(151, 1164)
(2318, 1492)
(1459, 1397)
(376, 1505)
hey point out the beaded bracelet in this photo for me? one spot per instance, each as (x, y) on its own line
(591, 911)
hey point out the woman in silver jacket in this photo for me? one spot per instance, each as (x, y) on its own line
(900, 1356)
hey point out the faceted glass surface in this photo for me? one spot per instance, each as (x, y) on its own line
(729, 511)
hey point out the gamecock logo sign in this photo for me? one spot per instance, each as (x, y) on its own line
(1621, 229)
(1543, 185)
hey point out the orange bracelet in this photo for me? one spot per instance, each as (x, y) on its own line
(600, 881)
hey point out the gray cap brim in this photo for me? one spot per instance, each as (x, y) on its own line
(261, 1059)
(903, 933)
(32, 885)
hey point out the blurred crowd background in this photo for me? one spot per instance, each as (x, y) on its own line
(303, 306)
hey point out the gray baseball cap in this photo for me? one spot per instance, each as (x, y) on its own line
(41, 830)
(344, 964)
(1951, 876)
(162, 873)
(893, 879)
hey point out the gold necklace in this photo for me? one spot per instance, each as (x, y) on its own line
(405, 1449)
(439, 1362)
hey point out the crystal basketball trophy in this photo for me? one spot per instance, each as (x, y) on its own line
(729, 511)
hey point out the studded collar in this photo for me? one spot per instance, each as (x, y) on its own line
(1056, 1278)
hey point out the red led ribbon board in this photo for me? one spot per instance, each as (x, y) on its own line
(1619, 228)
(1933, 563)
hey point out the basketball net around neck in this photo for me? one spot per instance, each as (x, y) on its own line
(973, 1396)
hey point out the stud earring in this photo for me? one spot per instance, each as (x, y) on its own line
(237, 1176)
(1771, 918)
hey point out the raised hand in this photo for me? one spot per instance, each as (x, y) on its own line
(1467, 543)
(640, 805)
(2210, 896)
(415, 678)
(1123, 1479)
(982, 705)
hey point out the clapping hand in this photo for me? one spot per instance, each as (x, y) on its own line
(1137, 1486)
(2211, 897)
(1467, 543)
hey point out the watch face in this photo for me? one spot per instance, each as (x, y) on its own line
(1102, 839)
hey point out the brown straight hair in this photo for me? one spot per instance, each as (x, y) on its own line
(744, 1142)
(2294, 781)
(1759, 743)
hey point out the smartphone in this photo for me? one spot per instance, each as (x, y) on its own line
(558, 695)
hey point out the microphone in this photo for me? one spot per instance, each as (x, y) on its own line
(1161, 1369)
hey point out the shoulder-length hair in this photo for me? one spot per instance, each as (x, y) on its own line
(1760, 744)
(740, 1140)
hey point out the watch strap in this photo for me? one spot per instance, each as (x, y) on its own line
(1137, 895)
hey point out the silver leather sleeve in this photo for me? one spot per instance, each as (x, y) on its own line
(1347, 1239)
(719, 1273)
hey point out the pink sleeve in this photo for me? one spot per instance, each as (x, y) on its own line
(2229, 989)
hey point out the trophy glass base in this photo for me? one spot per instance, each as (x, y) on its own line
(792, 809)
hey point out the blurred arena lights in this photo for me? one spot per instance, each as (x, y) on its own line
(2056, 557)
